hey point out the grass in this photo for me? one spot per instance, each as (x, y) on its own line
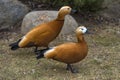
(101, 63)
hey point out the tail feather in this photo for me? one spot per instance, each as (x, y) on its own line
(40, 53)
(15, 46)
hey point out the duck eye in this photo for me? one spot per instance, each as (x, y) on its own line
(68, 8)
(82, 29)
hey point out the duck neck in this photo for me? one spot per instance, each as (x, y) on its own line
(60, 17)
(80, 38)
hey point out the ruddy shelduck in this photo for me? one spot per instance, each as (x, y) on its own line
(68, 53)
(43, 34)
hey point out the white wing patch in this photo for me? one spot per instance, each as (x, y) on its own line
(49, 51)
(23, 38)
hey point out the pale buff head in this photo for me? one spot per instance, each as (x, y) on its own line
(81, 30)
(64, 11)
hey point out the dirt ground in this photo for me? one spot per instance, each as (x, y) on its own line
(101, 63)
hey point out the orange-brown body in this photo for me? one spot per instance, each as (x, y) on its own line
(42, 35)
(69, 52)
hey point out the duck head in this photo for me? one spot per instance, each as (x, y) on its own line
(63, 12)
(81, 30)
(79, 33)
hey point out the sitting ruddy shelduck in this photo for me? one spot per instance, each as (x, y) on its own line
(43, 34)
(68, 53)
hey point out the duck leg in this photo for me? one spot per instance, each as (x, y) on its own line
(40, 53)
(36, 49)
(69, 67)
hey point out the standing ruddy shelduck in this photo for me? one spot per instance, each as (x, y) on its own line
(68, 53)
(43, 34)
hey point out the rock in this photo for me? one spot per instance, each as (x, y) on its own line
(12, 11)
(35, 18)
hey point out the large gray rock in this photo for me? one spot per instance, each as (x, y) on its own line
(35, 18)
(11, 12)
